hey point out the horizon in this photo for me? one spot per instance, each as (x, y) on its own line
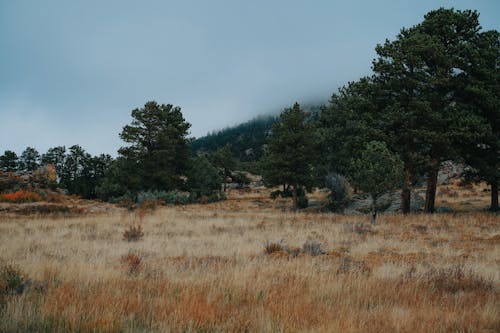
(73, 72)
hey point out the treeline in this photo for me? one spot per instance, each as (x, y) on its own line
(248, 140)
(156, 163)
(77, 171)
(433, 96)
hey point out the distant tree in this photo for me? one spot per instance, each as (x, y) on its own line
(9, 162)
(203, 178)
(240, 178)
(377, 171)
(30, 160)
(288, 160)
(117, 181)
(55, 156)
(159, 152)
(223, 159)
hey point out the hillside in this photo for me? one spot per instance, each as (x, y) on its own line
(247, 139)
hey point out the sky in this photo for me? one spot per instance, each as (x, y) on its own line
(72, 71)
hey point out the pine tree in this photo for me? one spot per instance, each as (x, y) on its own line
(377, 171)
(9, 162)
(288, 160)
(30, 160)
(159, 153)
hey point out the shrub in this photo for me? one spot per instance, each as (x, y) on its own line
(348, 265)
(132, 263)
(340, 191)
(12, 280)
(240, 178)
(20, 196)
(166, 197)
(270, 248)
(133, 233)
(455, 279)
(149, 205)
(312, 248)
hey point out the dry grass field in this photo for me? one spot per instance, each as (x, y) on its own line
(204, 268)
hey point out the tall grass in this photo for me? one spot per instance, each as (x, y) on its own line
(203, 269)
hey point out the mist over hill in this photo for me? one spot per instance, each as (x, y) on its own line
(247, 139)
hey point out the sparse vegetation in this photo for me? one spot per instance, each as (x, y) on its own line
(133, 233)
(205, 268)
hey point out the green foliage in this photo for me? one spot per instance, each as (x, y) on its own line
(9, 162)
(247, 139)
(340, 191)
(203, 179)
(12, 280)
(351, 119)
(168, 197)
(240, 178)
(223, 160)
(158, 154)
(288, 159)
(377, 170)
(30, 160)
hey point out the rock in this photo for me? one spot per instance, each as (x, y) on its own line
(449, 170)
(389, 203)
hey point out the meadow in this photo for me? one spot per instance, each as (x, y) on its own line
(246, 265)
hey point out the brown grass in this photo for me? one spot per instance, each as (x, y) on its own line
(202, 268)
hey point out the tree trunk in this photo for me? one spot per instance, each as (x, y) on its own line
(430, 192)
(374, 210)
(406, 191)
(294, 194)
(494, 197)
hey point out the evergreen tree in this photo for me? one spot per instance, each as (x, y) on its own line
(158, 153)
(223, 159)
(377, 171)
(55, 156)
(203, 178)
(288, 160)
(346, 125)
(9, 162)
(448, 52)
(482, 93)
(30, 160)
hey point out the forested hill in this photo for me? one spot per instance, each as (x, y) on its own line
(247, 139)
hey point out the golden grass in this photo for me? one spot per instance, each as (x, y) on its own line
(203, 268)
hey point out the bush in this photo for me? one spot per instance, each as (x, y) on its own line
(12, 280)
(133, 233)
(340, 191)
(270, 248)
(312, 248)
(240, 178)
(20, 196)
(132, 263)
(167, 197)
(455, 279)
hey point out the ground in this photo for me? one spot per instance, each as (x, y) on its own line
(204, 268)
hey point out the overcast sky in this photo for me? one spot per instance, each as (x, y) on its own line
(72, 71)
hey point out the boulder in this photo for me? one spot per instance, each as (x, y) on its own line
(388, 202)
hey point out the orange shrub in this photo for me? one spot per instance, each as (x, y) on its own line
(20, 197)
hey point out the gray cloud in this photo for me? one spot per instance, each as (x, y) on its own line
(71, 72)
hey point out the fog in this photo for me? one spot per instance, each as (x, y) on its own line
(70, 73)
